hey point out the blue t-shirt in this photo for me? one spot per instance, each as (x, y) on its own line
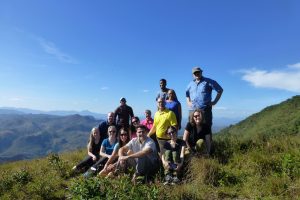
(108, 147)
(174, 106)
(200, 93)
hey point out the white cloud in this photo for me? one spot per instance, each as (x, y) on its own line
(16, 99)
(145, 90)
(104, 88)
(295, 66)
(50, 48)
(285, 79)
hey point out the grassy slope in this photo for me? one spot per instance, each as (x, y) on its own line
(259, 158)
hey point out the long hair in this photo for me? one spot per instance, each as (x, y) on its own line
(174, 94)
(91, 139)
(121, 143)
(192, 120)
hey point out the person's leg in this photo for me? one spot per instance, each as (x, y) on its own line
(208, 118)
(200, 146)
(86, 162)
(208, 144)
(161, 144)
(99, 164)
(146, 168)
(176, 156)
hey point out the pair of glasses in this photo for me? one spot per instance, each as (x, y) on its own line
(134, 122)
(197, 73)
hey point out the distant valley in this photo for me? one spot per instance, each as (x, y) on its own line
(26, 136)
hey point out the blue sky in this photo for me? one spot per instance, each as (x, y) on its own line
(85, 55)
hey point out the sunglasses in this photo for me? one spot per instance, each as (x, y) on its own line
(134, 121)
(196, 73)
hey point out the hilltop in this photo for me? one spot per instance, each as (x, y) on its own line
(258, 158)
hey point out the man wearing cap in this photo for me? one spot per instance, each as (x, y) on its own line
(199, 95)
(123, 113)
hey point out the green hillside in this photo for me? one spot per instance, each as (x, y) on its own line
(283, 118)
(259, 158)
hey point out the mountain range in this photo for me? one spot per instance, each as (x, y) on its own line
(26, 136)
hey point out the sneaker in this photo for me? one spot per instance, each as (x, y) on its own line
(89, 173)
(175, 180)
(168, 178)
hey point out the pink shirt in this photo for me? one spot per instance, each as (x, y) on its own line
(148, 123)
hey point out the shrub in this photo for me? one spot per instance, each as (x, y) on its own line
(60, 166)
(21, 177)
(121, 188)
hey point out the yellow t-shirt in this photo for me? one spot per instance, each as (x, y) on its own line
(163, 120)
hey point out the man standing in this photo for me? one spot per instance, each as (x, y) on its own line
(103, 126)
(123, 114)
(163, 118)
(199, 95)
(163, 93)
(143, 150)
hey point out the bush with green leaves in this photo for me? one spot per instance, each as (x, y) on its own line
(104, 188)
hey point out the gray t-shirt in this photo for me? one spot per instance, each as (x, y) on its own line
(135, 146)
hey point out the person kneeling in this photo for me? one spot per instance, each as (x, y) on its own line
(143, 150)
(173, 157)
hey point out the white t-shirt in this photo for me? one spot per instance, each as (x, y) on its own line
(135, 146)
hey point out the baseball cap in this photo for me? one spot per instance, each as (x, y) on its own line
(196, 69)
(123, 99)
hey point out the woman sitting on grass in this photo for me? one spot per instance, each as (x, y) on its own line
(106, 150)
(111, 164)
(195, 133)
(173, 157)
(93, 148)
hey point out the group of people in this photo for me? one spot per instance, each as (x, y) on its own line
(123, 142)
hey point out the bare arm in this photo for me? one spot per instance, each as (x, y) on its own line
(113, 156)
(152, 131)
(123, 150)
(137, 154)
(102, 152)
(179, 166)
(185, 138)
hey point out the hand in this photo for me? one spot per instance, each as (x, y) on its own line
(167, 165)
(94, 158)
(121, 158)
(110, 167)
